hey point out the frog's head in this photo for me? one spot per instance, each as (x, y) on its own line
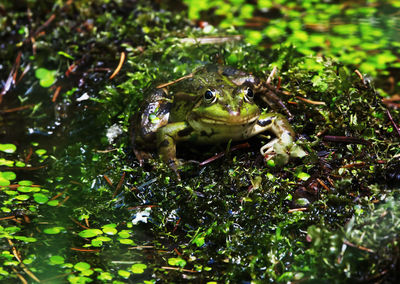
(225, 104)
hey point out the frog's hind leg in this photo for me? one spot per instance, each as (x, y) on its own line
(167, 137)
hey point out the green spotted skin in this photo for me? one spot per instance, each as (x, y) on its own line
(214, 104)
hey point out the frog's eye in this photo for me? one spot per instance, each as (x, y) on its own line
(249, 95)
(209, 96)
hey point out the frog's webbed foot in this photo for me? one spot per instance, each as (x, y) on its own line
(275, 151)
(281, 150)
(173, 164)
(267, 151)
(142, 156)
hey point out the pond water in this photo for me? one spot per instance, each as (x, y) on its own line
(80, 207)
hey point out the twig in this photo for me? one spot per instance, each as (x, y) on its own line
(121, 181)
(107, 151)
(360, 164)
(23, 280)
(62, 202)
(394, 124)
(11, 186)
(323, 184)
(211, 40)
(175, 81)
(345, 139)
(79, 224)
(297, 210)
(25, 168)
(178, 269)
(58, 195)
(18, 257)
(360, 75)
(357, 246)
(220, 155)
(7, 218)
(28, 157)
(14, 250)
(142, 247)
(271, 75)
(108, 180)
(11, 77)
(85, 250)
(27, 68)
(56, 93)
(17, 108)
(311, 102)
(121, 62)
(45, 25)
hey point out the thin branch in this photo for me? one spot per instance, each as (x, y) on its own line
(394, 124)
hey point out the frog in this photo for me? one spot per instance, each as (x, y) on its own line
(212, 105)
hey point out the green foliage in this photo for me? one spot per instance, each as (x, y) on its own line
(8, 148)
(46, 77)
(355, 41)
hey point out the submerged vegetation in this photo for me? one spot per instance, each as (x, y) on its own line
(76, 205)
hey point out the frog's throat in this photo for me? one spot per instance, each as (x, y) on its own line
(229, 121)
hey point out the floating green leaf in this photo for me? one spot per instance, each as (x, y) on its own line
(90, 233)
(25, 189)
(8, 175)
(53, 230)
(96, 242)
(20, 164)
(25, 182)
(4, 181)
(22, 197)
(57, 259)
(81, 266)
(110, 231)
(26, 239)
(104, 276)
(123, 273)
(46, 77)
(40, 198)
(126, 241)
(53, 203)
(176, 261)
(124, 234)
(7, 163)
(40, 152)
(138, 268)
(8, 148)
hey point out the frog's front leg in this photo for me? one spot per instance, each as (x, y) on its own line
(278, 148)
(167, 137)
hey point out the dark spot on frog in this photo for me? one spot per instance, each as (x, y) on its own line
(164, 108)
(229, 71)
(264, 122)
(211, 68)
(185, 132)
(164, 143)
(204, 133)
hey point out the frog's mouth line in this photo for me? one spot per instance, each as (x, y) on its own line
(228, 122)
